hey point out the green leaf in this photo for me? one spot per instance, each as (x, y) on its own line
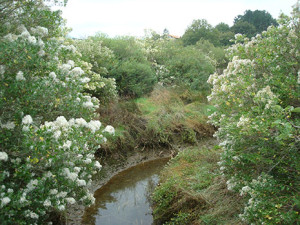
(296, 110)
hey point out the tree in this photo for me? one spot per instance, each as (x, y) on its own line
(222, 27)
(166, 33)
(260, 19)
(244, 27)
(225, 34)
(200, 29)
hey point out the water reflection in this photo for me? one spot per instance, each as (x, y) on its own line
(124, 200)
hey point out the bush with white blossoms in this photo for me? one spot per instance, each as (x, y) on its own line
(98, 56)
(48, 134)
(256, 98)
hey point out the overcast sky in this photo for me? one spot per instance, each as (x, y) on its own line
(132, 17)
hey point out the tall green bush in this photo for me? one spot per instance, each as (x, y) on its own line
(48, 133)
(187, 66)
(256, 97)
(129, 66)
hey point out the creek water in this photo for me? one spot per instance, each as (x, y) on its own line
(125, 199)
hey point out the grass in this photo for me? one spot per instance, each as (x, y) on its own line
(146, 106)
(192, 191)
(173, 113)
(165, 119)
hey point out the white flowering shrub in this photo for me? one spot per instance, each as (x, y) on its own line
(256, 97)
(92, 51)
(48, 134)
(104, 89)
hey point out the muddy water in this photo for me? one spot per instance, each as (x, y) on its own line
(124, 200)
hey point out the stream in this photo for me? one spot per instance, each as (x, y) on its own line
(125, 199)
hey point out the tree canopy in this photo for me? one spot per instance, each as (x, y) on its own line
(199, 29)
(259, 19)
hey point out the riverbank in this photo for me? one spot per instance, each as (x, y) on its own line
(157, 126)
(193, 190)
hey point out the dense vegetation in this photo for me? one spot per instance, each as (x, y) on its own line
(256, 101)
(154, 92)
(46, 162)
(257, 104)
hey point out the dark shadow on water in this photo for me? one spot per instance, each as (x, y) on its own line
(124, 200)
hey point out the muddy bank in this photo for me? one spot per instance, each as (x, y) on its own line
(112, 166)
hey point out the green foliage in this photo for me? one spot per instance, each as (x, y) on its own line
(122, 59)
(260, 137)
(181, 65)
(163, 196)
(244, 27)
(12, 12)
(48, 135)
(220, 35)
(217, 54)
(133, 78)
(225, 34)
(93, 51)
(102, 88)
(222, 27)
(199, 29)
(253, 22)
(179, 219)
(99, 57)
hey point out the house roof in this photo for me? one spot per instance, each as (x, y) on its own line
(174, 36)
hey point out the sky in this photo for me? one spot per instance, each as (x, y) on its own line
(132, 17)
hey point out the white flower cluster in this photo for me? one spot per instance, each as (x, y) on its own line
(266, 96)
(3, 156)
(226, 83)
(5, 201)
(8, 125)
(77, 71)
(89, 102)
(85, 80)
(27, 120)
(2, 71)
(40, 31)
(31, 185)
(109, 129)
(20, 76)
(70, 175)
(70, 200)
(10, 37)
(255, 202)
(25, 35)
(243, 121)
(231, 184)
(70, 48)
(245, 190)
(75, 75)
(61, 124)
